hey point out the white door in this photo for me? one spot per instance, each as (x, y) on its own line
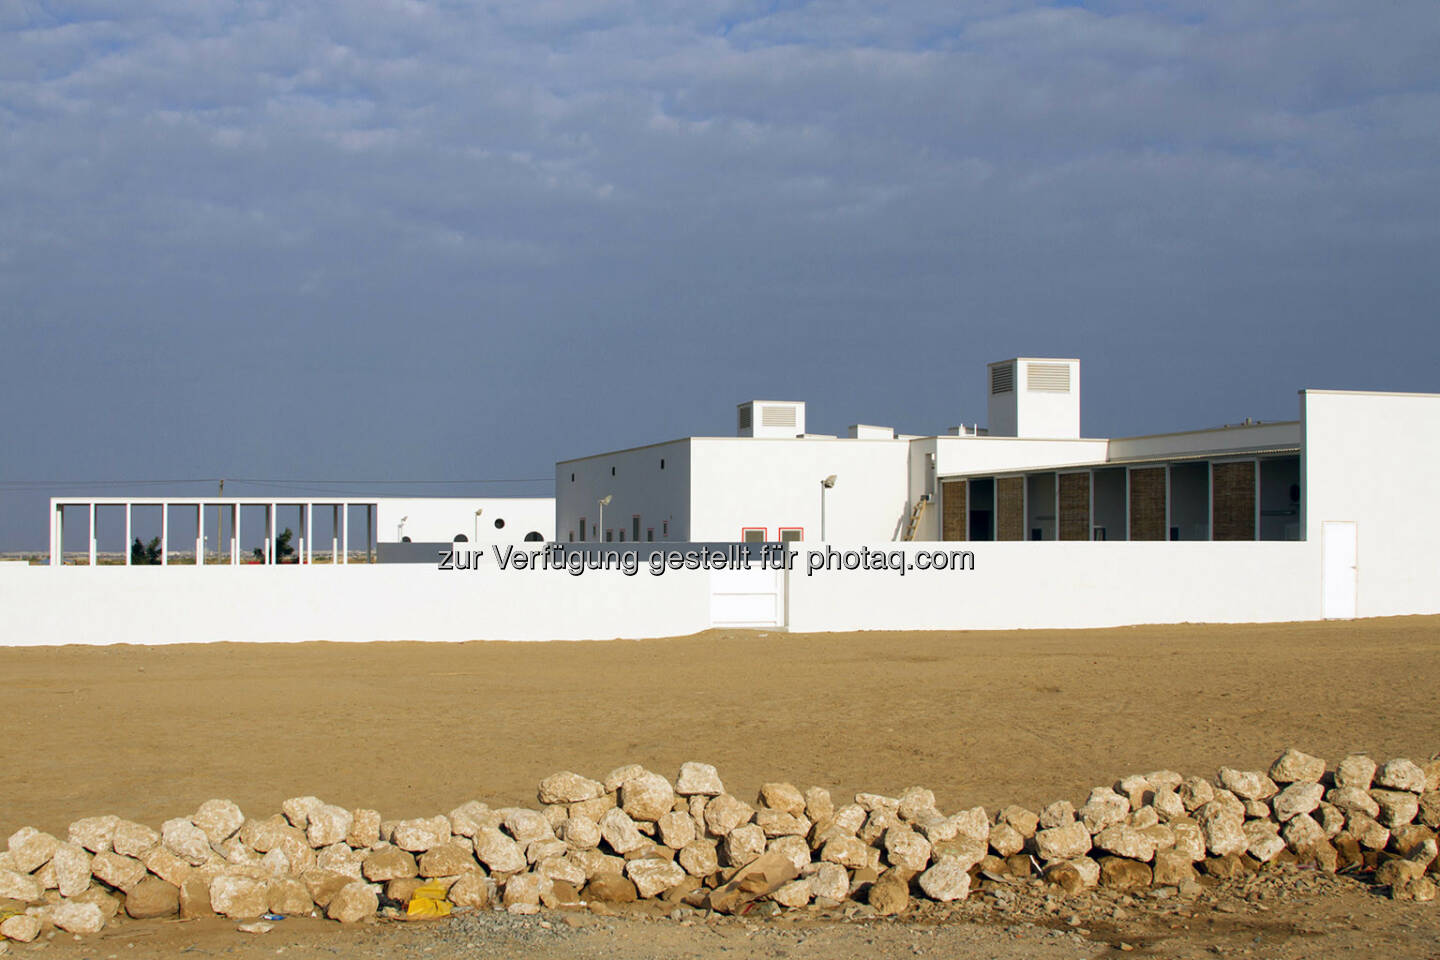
(1340, 569)
(747, 598)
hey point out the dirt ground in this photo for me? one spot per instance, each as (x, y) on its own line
(979, 717)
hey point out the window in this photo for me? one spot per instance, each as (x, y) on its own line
(572, 536)
(609, 535)
(612, 471)
(622, 534)
(635, 527)
(649, 534)
(792, 534)
(662, 463)
(534, 536)
(582, 529)
(664, 528)
(499, 523)
(572, 478)
(459, 538)
(752, 534)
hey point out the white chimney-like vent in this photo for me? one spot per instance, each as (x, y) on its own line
(771, 418)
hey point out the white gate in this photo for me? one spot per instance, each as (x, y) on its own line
(747, 598)
(1340, 569)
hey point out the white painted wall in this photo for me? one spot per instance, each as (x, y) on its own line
(439, 519)
(1280, 434)
(981, 455)
(1057, 584)
(638, 485)
(738, 483)
(1374, 459)
(1023, 412)
(50, 606)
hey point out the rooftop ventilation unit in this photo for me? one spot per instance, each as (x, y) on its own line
(771, 418)
(1035, 398)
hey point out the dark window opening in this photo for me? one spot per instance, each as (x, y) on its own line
(499, 524)
(460, 538)
(534, 536)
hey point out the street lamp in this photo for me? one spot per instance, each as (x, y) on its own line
(825, 484)
(478, 511)
(604, 501)
(400, 530)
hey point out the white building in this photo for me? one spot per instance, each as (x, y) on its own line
(1030, 476)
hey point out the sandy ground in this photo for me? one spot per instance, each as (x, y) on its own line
(990, 718)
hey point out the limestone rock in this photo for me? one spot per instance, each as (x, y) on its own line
(1023, 821)
(72, 869)
(447, 860)
(1401, 774)
(1302, 833)
(1063, 843)
(195, 898)
(1222, 828)
(1302, 796)
(785, 797)
(1396, 806)
(1173, 868)
(870, 802)
(21, 928)
(878, 821)
(579, 833)
(796, 893)
(1256, 809)
(420, 835)
(1164, 780)
(653, 877)
(355, 901)
(1368, 832)
(947, 880)
(30, 849)
(567, 787)
(1103, 808)
(239, 898)
(1292, 766)
(890, 894)
(1195, 792)
(95, 834)
(1353, 800)
(1430, 809)
(336, 858)
(968, 850)
(777, 823)
(1189, 839)
(1356, 770)
(699, 859)
(328, 824)
(1168, 805)
(288, 897)
(390, 863)
(593, 810)
(526, 890)
(82, 918)
(167, 866)
(610, 888)
(620, 832)
(1073, 876)
(322, 886)
(724, 813)
(1263, 840)
(1247, 784)
(219, 820)
(563, 868)
(187, 841)
(1331, 819)
(742, 845)
(819, 805)
(122, 873)
(1061, 813)
(1142, 818)
(364, 828)
(829, 880)
(677, 829)
(20, 886)
(698, 779)
(297, 810)
(473, 889)
(498, 852)
(1137, 789)
(972, 823)
(151, 898)
(850, 852)
(1126, 841)
(1124, 874)
(906, 849)
(132, 839)
(1005, 840)
(617, 777)
(647, 797)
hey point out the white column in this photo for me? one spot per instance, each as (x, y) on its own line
(57, 535)
(369, 531)
(270, 512)
(235, 534)
(200, 534)
(345, 533)
(164, 534)
(334, 533)
(309, 545)
(128, 533)
(91, 547)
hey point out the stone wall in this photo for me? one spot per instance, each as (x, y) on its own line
(637, 835)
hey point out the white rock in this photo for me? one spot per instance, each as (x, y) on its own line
(567, 787)
(1302, 832)
(30, 849)
(699, 859)
(94, 833)
(82, 918)
(1103, 808)
(1168, 805)
(1247, 784)
(947, 880)
(724, 813)
(677, 829)
(1195, 793)
(297, 810)
(620, 832)
(187, 841)
(828, 880)
(647, 797)
(1401, 775)
(1061, 813)
(617, 777)
(1353, 800)
(353, 903)
(1005, 840)
(364, 828)
(784, 797)
(1063, 842)
(1356, 770)
(1397, 807)
(1126, 841)
(239, 898)
(795, 849)
(20, 886)
(850, 852)
(1223, 829)
(471, 816)
(1189, 839)
(122, 873)
(796, 893)
(742, 845)
(1263, 839)
(21, 928)
(653, 876)
(72, 869)
(419, 835)
(1292, 766)
(498, 852)
(906, 849)
(973, 823)
(1302, 796)
(527, 826)
(219, 819)
(579, 833)
(327, 825)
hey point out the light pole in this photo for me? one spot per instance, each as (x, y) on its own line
(825, 484)
(400, 530)
(603, 501)
(478, 511)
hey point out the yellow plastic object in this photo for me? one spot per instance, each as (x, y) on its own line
(429, 901)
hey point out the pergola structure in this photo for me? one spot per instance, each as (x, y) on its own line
(305, 549)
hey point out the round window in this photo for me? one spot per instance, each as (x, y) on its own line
(499, 524)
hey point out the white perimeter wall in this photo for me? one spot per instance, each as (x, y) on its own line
(1062, 584)
(49, 606)
(1374, 459)
(439, 519)
(638, 485)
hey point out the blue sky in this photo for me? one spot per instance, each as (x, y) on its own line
(391, 239)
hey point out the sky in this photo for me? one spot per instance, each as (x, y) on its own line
(318, 247)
